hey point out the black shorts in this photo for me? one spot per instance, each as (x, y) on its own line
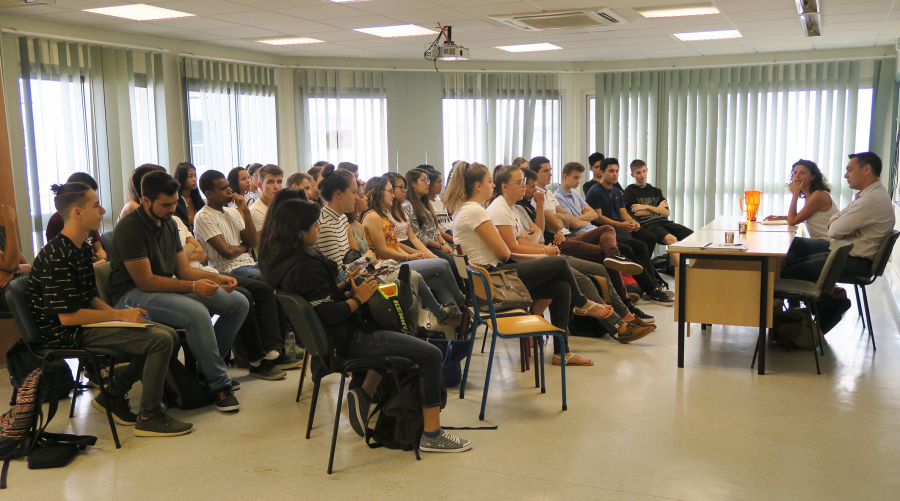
(663, 227)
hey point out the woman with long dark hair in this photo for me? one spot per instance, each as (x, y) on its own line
(134, 188)
(189, 202)
(423, 222)
(290, 262)
(357, 233)
(240, 181)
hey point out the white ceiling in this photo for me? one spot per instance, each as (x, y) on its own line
(766, 25)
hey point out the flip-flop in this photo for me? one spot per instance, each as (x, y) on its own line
(557, 360)
(585, 312)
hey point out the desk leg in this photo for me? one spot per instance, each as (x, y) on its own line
(682, 294)
(763, 313)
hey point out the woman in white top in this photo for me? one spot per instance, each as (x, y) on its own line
(547, 278)
(807, 182)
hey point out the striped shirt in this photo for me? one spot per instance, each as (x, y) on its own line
(334, 239)
(208, 223)
(61, 281)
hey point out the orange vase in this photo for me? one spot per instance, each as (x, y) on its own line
(750, 203)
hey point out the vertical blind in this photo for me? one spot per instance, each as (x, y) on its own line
(494, 118)
(80, 112)
(342, 117)
(711, 134)
(231, 114)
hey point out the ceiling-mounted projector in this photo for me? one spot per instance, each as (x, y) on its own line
(445, 50)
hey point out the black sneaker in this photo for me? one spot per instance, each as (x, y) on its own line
(235, 385)
(661, 298)
(161, 425)
(286, 363)
(648, 319)
(358, 403)
(621, 263)
(266, 370)
(226, 401)
(121, 411)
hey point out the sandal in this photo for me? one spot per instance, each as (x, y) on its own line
(574, 360)
(586, 312)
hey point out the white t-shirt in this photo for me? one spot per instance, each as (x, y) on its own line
(465, 220)
(444, 221)
(258, 213)
(550, 204)
(504, 215)
(251, 198)
(401, 228)
(229, 223)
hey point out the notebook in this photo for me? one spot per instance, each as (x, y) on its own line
(777, 222)
(116, 323)
(688, 245)
(727, 247)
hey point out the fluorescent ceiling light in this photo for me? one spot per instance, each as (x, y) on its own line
(402, 30)
(286, 40)
(698, 36)
(698, 9)
(530, 47)
(139, 12)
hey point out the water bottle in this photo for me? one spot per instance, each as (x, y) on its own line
(290, 345)
(354, 266)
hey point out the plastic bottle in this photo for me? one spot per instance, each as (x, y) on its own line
(354, 266)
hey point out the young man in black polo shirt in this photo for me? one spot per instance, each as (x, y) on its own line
(649, 207)
(594, 164)
(147, 253)
(62, 295)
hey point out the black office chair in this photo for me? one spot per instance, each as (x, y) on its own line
(879, 263)
(308, 326)
(106, 240)
(809, 292)
(28, 329)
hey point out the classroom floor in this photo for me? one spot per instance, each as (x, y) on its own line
(637, 428)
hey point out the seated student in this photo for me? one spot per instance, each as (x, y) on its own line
(381, 236)
(508, 189)
(270, 179)
(300, 180)
(147, 254)
(239, 180)
(866, 222)
(422, 220)
(12, 262)
(55, 224)
(596, 247)
(315, 172)
(609, 203)
(134, 188)
(340, 192)
(436, 185)
(357, 238)
(649, 207)
(596, 174)
(291, 263)
(350, 167)
(547, 278)
(190, 202)
(62, 295)
(253, 194)
(808, 183)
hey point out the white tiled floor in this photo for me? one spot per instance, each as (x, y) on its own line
(637, 428)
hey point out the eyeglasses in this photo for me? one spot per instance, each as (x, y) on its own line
(520, 182)
(387, 190)
(401, 188)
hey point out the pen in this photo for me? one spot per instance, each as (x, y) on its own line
(145, 316)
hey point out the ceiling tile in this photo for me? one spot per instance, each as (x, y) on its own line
(254, 18)
(322, 11)
(142, 27)
(197, 36)
(83, 18)
(366, 21)
(729, 7)
(299, 27)
(205, 7)
(87, 4)
(763, 15)
(277, 4)
(430, 17)
(857, 7)
(805, 44)
(243, 32)
(385, 6)
(196, 23)
(501, 9)
(36, 10)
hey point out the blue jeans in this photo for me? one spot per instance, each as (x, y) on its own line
(438, 276)
(249, 271)
(191, 313)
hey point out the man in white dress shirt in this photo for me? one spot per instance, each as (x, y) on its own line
(865, 223)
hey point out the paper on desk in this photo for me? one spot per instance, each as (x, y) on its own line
(776, 222)
(116, 323)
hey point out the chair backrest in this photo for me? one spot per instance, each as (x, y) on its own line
(306, 323)
(483, 289)
(106, 240)
(479, 284)
(461, 261)
(101, 276)
(18, 305)
(879, 262)
(833, 267)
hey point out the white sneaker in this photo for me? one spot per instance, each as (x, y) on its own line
(445, 442)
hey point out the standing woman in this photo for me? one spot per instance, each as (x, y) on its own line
(190, 201)
(134, 189)
(239, 180)
(422, 220)
(382, 238)
(546, 278)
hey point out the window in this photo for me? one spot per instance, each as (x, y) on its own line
(466, 130)
(229, 128)
(350, 129)
(63, 142)
(144, 120)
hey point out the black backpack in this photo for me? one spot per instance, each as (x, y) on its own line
(21, 362)
(399, 426)
(183, 390)
(390, 308)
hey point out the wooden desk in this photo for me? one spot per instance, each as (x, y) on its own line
(730, 223)
(729, 288)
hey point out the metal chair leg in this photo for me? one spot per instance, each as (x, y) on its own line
(543, 379)
(465, 377)
(312, 407)
(815, 312)
(75, 389)
(486, 329)
(868, 316)
(337, 421)
(487, 377)
(859, 305)
(538, 365)
(562, 372)
(112, 424)
(302, 374)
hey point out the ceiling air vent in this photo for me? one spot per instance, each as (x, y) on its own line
(562, 20)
